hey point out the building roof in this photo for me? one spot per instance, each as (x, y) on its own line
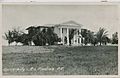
(71, 23)
(68, 23)
(49, 25)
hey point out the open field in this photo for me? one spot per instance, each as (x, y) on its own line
(60, 60)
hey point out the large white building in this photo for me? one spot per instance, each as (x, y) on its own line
(63, 31)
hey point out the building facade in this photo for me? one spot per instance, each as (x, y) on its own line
(64, 30)
(69, 32)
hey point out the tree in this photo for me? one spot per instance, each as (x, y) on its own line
(13, 36)
(92, 38)
(87, 35)
(43, 36)
(38, 39)
(72, 32)
(31, 32)
(101, 35)
(24, 39)
(9, 36)
(51, 36)
(105, 40)
(16, 35)
(115, 38)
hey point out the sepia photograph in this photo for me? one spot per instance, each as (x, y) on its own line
(59, 39)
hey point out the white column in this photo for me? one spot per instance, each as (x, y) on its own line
(80, 40)
(74, 39)
(67, 36)
(79, 31)
(77, 37)
(80, 36)
(61, 35)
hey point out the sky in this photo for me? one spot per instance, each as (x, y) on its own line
(90, 16)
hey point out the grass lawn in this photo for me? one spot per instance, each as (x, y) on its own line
(79, 60)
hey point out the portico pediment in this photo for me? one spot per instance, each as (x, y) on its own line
(69, 24)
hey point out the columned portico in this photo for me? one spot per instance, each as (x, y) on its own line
(62, 37)
(76, 37)
(65, 33)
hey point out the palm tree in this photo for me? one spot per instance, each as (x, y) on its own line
(13, 36)
(85, 34)
(31, 33)
(37, 38)
(44, 36)
(72, 32)
(51, 37)
(115, 38)
(91, 38)
(16, 35)
(24, 39)
(94, 41)
(101, 35)
(9, 36)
